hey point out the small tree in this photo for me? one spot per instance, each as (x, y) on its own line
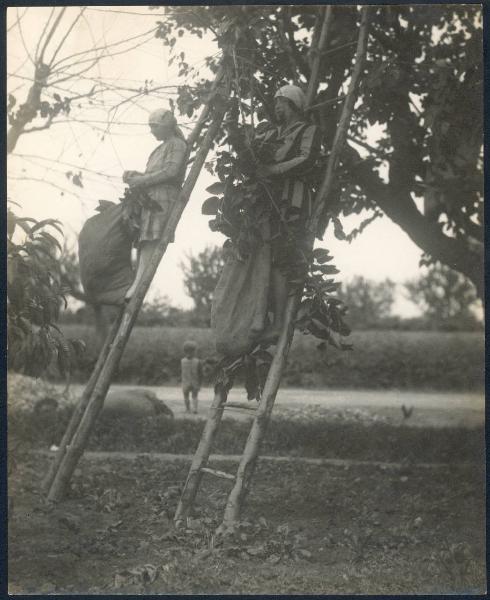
(369, 302)
(160, 312)
(448, 299)
(34, 298)
(201, 274)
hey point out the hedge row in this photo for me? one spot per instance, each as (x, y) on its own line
(380, 359)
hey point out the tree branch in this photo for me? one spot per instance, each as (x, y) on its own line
(325, 19)
(54, 27)
(397, 203)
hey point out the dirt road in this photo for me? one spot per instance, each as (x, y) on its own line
(437, 409)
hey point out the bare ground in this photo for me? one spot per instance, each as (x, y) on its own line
(323, 528)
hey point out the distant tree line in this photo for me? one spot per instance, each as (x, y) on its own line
(446, 299)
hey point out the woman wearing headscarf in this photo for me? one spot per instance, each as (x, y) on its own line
(160, 183)
(296, 146)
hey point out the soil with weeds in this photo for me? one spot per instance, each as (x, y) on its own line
(307, 528)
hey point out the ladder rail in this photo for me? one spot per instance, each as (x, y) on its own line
(81, 406)
(94, 404)
(261, 420)
(202, 453)
(250, 454)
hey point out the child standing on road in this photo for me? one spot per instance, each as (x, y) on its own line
(191, 375)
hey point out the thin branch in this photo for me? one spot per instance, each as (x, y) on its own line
(43, 32)
(32, 157)
(126, 12)
(152, 30)
(316, 53)
(326, 103)
(47, 182)
(93, 61)
(19, 18)
(23, 40)
(380, 153)
(78, 73)
(46, 125)
(69, 30)
(54, 27)
(337, 48)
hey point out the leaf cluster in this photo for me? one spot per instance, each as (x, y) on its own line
(321, 312)
(26, 112)
(35, 294)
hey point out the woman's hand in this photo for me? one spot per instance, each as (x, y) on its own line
(128, 174)
(135, 180)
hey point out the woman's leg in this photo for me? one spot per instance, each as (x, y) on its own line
(145, 252)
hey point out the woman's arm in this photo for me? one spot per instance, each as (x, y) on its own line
(170, 168)
(308, 151)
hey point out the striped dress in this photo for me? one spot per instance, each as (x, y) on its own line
(296, 149)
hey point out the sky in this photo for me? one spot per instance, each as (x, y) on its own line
(102, 142)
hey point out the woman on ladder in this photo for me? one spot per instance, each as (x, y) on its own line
(161, 182)
(296, 146)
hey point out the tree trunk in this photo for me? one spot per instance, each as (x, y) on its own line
(28, 111)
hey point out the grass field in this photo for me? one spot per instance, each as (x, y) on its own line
(380, 359)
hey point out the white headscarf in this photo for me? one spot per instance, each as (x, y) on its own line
(293, 93)
(163, 114)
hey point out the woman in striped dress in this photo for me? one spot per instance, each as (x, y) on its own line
(296, 145)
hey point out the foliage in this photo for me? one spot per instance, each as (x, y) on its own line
(448, 299)
(369, 302)
(201, 274)
(70, 273)
(414, 360)
(34, 296)
(423, 63)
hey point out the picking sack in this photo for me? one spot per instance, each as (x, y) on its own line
(104, 252)
(240, 302)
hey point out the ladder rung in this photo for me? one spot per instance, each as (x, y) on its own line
(217, 473)
(238, 405)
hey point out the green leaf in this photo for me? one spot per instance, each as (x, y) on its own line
(216, 188)
(23, 223)
(321, 255)
(47, 236)
(210, 206)
(44, 223)
(327, 269)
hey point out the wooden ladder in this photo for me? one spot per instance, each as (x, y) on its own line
(79, 428)
(242, 479)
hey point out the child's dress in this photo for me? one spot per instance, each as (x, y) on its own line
(191, 374)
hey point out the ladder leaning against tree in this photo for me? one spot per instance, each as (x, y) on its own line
(248, 461)
(91, 402)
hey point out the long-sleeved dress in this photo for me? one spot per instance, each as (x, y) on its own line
(296, 149)
(164, 174)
